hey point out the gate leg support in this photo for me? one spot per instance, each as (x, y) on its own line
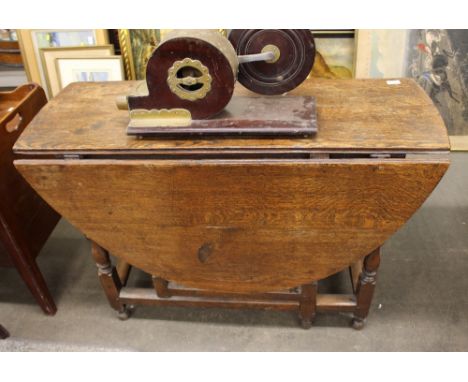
(109, 279)
(161, 287)
(307, 305)
(365, 288)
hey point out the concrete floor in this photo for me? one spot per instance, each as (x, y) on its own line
(421, 301)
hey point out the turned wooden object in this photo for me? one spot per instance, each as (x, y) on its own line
(109, 278)
(295, 55)
(365, 288)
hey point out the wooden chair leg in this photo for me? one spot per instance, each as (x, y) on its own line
(109, 279)
(3, 333)
(307, 305)
(365, 288)
(31, 274)
(33, 278)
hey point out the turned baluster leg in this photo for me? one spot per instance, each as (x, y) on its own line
(365, 288)
(109, 279)
(307, 304)
(3, 333)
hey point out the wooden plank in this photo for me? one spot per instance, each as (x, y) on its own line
(336, 302)
(146, 296)
(177, 290)
(352, 115)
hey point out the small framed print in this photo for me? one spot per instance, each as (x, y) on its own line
(89, 70)
(33, 40)
(49, 55)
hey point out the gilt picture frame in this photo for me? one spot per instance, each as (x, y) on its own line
(136, 46)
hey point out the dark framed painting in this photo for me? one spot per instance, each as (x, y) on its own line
(438, 60)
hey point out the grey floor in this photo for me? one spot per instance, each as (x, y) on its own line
(421, 301)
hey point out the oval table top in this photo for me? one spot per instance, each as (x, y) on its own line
(353, 115)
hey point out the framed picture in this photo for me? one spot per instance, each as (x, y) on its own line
(32, 40)
(381, 53)
(89, 69)
(334, 53)
(49, 55)
(136, 46)
(438, 60)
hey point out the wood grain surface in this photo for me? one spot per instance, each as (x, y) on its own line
(236, 225)
(352, 115)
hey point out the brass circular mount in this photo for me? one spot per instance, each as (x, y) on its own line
(189, 79)
(275, 50)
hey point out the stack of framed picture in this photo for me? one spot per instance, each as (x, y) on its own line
(55, 58)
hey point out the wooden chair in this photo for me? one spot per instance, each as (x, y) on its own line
(26, 221)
